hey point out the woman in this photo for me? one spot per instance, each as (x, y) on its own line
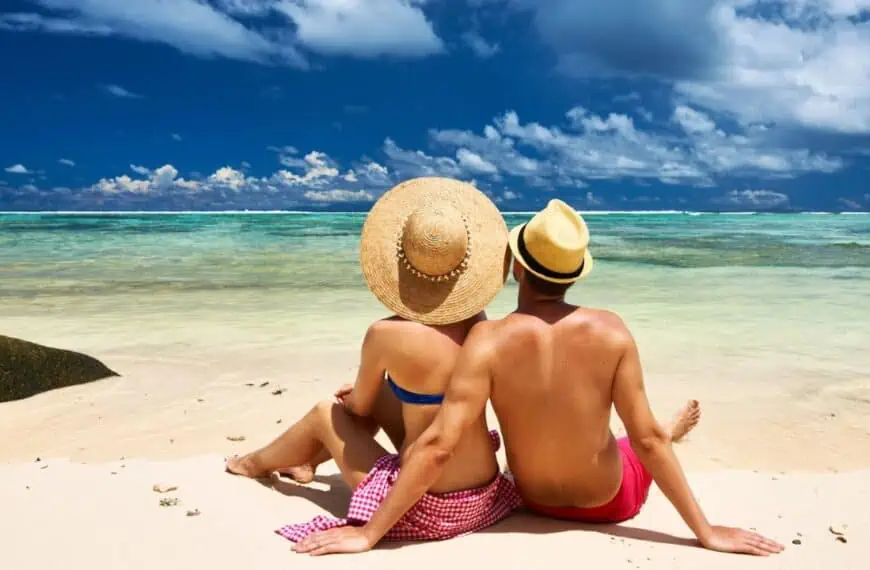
(433, 250)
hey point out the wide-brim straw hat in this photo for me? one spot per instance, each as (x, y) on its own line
(554, 244)
(434, 250)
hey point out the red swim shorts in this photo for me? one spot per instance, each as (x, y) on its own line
(627, 503)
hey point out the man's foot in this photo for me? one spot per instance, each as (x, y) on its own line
(302, 474)
(684, 421)
(246, 466)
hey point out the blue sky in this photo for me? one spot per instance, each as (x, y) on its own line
(325, 104)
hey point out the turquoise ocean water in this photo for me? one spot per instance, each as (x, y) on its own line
(45, 255)
(766, 287)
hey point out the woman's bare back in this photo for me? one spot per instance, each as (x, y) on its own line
(420, 359)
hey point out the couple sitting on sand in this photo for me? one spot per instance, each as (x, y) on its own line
(435, 252)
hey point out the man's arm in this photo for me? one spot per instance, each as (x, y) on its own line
(653, 447)
(464, 402)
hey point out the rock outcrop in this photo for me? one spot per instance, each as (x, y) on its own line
(27, 369)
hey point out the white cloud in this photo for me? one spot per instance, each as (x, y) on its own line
(763, 199)
(176, 137)
(796, 63)
(161, 179)
(318, 171)
(315, 179)
(482, 48)
(809, 69)
(474, 162)
(227, 177)
(692, 121)
(332, 196)
(362, 28)
(849, 204)
(66, 162)
(191, 26)
(18, 169)
(598, 147)
(593, 200)
(418, 163)
(119, 91)
(247, 8)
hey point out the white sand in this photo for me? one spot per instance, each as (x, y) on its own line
(88, 502)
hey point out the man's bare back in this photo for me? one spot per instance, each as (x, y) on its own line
(552, 388)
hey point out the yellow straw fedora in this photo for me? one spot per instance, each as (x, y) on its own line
(434, 250)
(554, 244)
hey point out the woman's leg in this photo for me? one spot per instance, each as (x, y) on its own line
(386, 415)
(328, 425)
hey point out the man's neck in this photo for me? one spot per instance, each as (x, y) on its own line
(531, 303)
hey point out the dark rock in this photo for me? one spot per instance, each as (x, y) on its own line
(796, 541)
(27, 369)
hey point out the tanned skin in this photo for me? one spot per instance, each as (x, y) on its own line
(553, 372)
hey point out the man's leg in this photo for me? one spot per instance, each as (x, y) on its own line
(684, 421)
(386, 415)
(328, 425)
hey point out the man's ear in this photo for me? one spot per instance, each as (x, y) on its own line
(518, 271)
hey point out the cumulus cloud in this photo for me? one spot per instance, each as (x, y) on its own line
(807, 68)
(473, 162)
(481, 48)
(755, 199)
(118, 91)
(335, 195)
(261, 31)
(314, 179)
(849, 204)
(792, 62)
(66, 162)
(161, 179)
(364, 28)
(17, 169)
(597, 147)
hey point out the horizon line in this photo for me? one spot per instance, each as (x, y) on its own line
(322, 212)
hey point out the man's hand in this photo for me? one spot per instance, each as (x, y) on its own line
(739, 541)
(344, 540)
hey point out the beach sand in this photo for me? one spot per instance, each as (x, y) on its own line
(78, 466)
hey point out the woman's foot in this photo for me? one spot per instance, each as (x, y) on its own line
(246, 466)
(302, 474)
(684, 421)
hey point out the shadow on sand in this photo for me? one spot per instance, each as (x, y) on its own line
(333, 500)
(336, 498)
(526, 522)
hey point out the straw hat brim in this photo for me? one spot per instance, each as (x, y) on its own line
(414, 298)
(513, 241)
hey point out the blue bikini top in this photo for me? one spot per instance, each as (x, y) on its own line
(413, 397)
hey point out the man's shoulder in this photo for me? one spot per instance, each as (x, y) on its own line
(604, 325)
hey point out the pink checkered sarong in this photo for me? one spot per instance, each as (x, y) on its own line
(434, 517)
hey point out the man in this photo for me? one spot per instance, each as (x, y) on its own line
(553, 371)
